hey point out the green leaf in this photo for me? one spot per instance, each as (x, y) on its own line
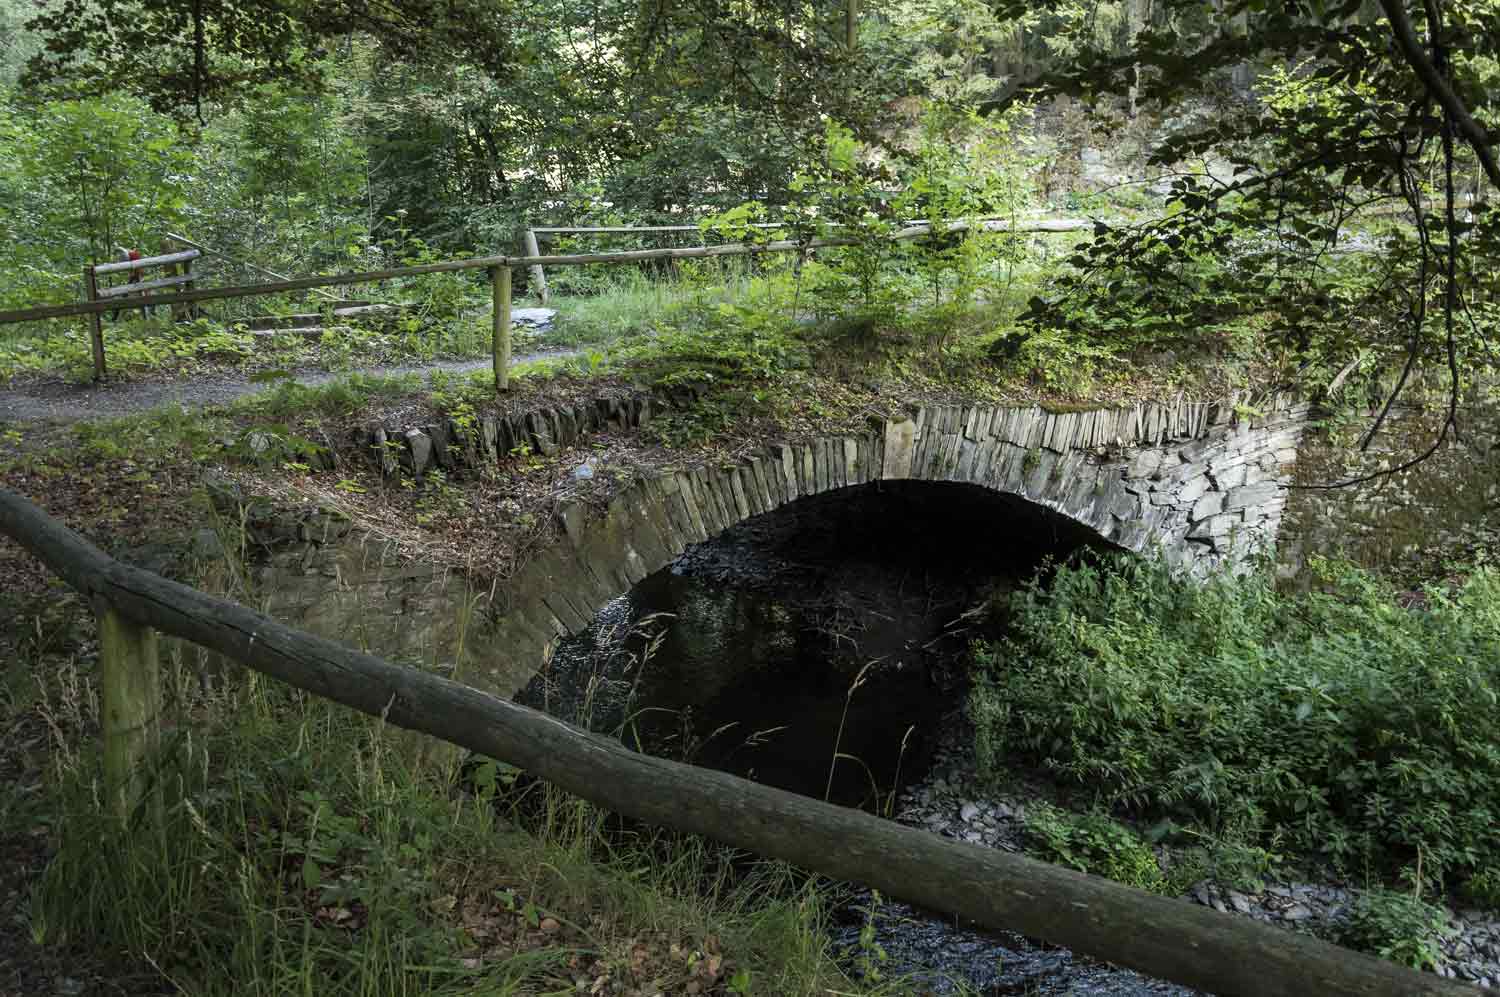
(311, 874)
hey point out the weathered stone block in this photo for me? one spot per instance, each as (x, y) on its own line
(1230, 478)
(687, 494)
(567, 427)
(1192, 489)
(1208, 505)
(1145, 463)
(737, 492)
(419, 446)
(900, 448)
(1250, 495)
(786, 458)
(540, 433)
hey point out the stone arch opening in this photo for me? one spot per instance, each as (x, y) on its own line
(1194, 480)
(774, 619)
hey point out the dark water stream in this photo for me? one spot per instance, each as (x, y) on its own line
(819, 649)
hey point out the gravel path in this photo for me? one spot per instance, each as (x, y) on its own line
(62, 402)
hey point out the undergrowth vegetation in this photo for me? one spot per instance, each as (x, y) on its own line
(306, 849)
(1339, 724)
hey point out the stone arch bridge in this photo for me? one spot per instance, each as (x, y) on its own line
(1202, 482)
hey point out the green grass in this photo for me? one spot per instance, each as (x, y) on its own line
(306, 849)
(636, 304)
(137, 345)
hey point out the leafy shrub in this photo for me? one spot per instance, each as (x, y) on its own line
(1092, 843)
(1334, 721)
(1397, 926)
(1059, 361)
(1483, 888)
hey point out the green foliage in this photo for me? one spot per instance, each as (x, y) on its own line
(867, 954)
(147, 46)
(80, 177)
(1092, 843)
(1335, 722)
(130, 345)
(275, 867)
(1400, 927)
(1483, 888)
(1231, 858)
(1056, 360)
(308, 849)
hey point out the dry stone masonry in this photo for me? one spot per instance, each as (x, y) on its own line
(1202, 482)
(482, 440)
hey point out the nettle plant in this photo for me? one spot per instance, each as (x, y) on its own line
(1336, 723)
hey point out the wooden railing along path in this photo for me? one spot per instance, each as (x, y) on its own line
(531, 238)
(500, 268)
(1171, 939)
(179, 273)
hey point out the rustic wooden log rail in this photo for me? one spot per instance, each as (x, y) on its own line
(531, 237)
(499, 267)
(179, 267)
(1171, 939)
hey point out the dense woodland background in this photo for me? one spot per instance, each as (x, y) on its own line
(1266, 149)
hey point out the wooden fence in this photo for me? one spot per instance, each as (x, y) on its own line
(179, 269)
(532, 238)
(1171, 939)
(499, 267)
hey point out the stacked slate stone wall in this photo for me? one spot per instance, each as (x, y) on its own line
(453, 445)
(1202, 482)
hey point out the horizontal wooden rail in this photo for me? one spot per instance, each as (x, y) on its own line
(626, 229)
(489, 262)
(239, 262)
(169, 259)
(145, 285)
(97, 295)
(601, 229)
(1171, 939)
(249, 290)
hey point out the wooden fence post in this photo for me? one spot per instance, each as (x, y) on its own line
(130, 693)
(184, 269)
(500, 286)
(538, 276)
(96, 321)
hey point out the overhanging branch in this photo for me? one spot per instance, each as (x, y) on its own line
(1416, 56)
